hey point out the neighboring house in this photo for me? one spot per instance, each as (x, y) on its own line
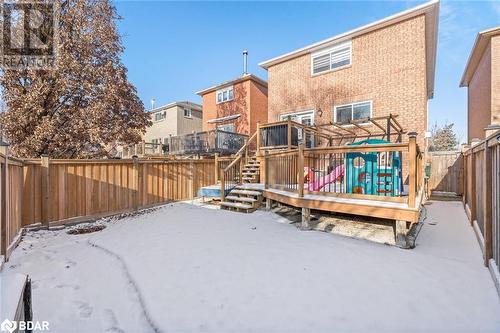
(235, 106)
(482, 77)
(173, 119)
(386, 67)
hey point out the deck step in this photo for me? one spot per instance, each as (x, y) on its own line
(241, 199)
(236, 205)
(246, 192)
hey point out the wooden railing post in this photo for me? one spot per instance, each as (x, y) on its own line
(412, 180)
(300, 170)
(487, 204)
(3, 201)
(266, 169)
(289, 133)
(259, 138)
(45, 190)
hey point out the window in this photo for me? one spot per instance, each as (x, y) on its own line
(227, 128)
(332, 58)
(354, 111)
(225, 95)
(160, 115)
(303, 117)
(188, 113)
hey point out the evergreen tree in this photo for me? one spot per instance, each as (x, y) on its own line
(443, 138)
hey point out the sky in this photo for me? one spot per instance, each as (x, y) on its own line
(173, 49)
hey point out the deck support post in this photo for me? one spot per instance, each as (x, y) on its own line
(269, 204)
(400, 234)
(306, 219)
(412, 172)
(289, 133)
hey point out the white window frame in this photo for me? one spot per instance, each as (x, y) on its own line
(284, 116)
(160, 112)
(190, 113)
(222, 91)
(352, 111)
(330, 50)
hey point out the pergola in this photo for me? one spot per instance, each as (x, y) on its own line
(384, 127)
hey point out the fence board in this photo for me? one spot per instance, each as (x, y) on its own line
(446, 172)
(86, 188)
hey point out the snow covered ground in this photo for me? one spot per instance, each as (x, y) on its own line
(185, 268)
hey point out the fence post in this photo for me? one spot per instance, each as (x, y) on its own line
(222, 186)
(45, 190)
(192, 177)
(412, 150)
(135, 159)
(473, 203)
(3, 201)
(300, 170)
(487, 203)
(216, 167)
(289, 133)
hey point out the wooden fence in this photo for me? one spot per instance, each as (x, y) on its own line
(51, 192)
(446, 174)
(481, 197)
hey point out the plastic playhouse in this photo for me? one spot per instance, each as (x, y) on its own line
(373, 173)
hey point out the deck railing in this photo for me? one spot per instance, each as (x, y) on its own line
(289, 134)
(374, 172)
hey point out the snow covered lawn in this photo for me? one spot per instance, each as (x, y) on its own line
(188, 268)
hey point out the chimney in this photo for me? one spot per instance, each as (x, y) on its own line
(153, 103)
(245, 62)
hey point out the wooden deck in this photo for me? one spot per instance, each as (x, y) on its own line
(374, 208)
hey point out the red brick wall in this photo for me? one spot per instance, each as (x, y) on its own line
(250, 100)
(258, 105)
(388, 67)
(479, 98)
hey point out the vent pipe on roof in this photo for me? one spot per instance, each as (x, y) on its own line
(152, 104)
(245, 62)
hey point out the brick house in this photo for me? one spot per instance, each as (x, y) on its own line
(236, 105)
(482, 77)
(386, 67)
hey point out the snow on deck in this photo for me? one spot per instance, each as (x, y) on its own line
(188, 268)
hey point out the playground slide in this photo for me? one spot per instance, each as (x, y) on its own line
(332, 177)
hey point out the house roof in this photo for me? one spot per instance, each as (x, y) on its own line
(480, 45)
(429, 9)
(183, 104)
(228, 83)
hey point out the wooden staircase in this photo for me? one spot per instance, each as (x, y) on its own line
(251, 171)
(243, 198)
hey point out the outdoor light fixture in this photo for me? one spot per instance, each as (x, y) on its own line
(320, 112)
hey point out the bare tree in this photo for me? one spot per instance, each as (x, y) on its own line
(85, 103)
